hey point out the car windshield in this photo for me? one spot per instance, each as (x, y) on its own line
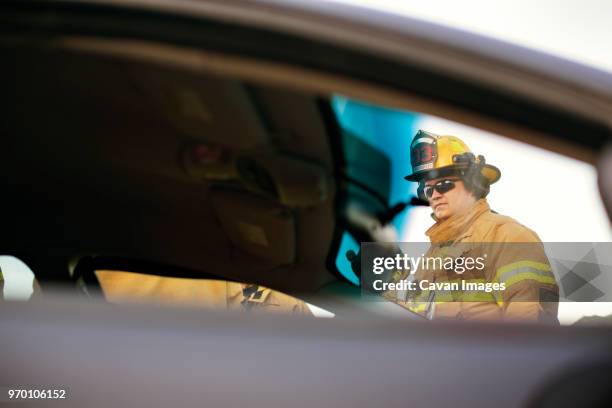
(535, 175)
(204, 189)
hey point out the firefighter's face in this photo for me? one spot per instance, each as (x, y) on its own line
(455, 200)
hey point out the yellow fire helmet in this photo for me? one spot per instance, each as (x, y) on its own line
(433, 156)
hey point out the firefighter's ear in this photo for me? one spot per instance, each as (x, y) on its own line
(477, 184)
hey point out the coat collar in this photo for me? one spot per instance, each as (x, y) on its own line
(455, 227)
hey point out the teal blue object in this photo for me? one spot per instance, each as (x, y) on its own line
(390, 131)
(344, 266)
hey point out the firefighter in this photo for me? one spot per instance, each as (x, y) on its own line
(128, 287)
(455, 183)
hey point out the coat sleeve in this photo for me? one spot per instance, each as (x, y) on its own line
(530, 289)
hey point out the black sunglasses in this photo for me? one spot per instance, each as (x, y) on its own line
(441, 187)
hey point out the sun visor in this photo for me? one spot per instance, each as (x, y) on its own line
(257, 226)
(206, 108)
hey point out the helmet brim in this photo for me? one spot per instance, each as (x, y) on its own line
(491, 173)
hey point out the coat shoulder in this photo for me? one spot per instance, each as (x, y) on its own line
(501, 228)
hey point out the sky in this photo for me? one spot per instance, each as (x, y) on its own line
(576, 30)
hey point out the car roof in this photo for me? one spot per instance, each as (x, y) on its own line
(400, 37)
(515, 74)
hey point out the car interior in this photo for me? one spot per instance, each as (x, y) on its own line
(164, 171)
